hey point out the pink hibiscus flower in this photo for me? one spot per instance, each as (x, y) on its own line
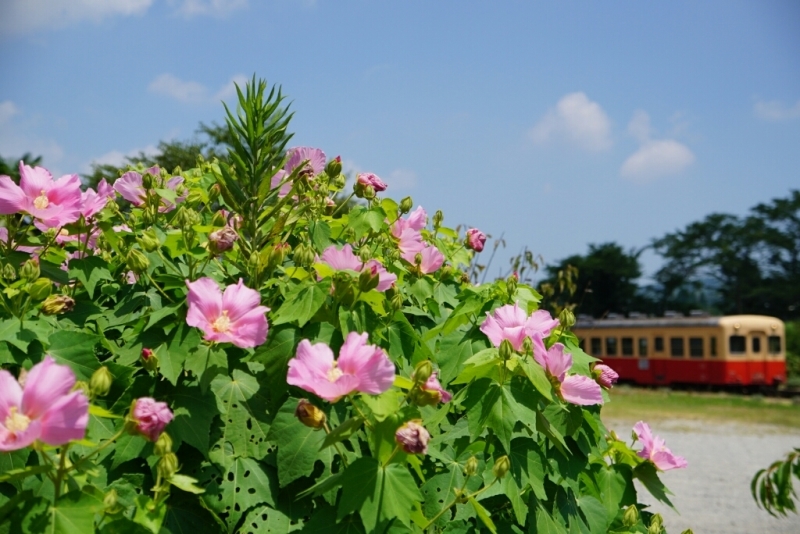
(360, 367)
(416, 221)
(344, 260)
(605, 375)
(44, 409)
(510, 322)
(315, 165)
(234, 316)
(577, 389)
(151, 417)
(130, 186)
(93, 202)
(433, 385)
(475, 239)
(53, 202)
(430, 258)
(368, 178)
(654, 449)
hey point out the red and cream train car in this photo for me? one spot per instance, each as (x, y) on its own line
(735, 350)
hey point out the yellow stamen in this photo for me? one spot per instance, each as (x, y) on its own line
(41, 202)
(222, 324)
(16, 422)
(334, 373)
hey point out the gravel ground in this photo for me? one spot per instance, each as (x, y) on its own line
(713, 493)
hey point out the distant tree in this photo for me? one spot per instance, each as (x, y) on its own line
(10, 166)
(606, 280)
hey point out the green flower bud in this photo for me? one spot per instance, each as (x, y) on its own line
(471, 467)
(405, 205)
(438, 217)
(167, 466)
(147, 180)
(304, 255)
(213, 193)
(111, 502)
(423, 372)
(149, 241)
(339, 181)
(40, 289)
(631, 516)
(163, 444)
(310, 415)
(687, 531)
(423, 397)
(511, 285)
(277, 254)
(137, 261)
(369, 192)
(656, 524)
(501, 467)
(368, 280)
(147, 218)
(100, 382)
(9, 273)
(566, 318)
(218, 219)
(506, 350)
(334, 167)
(55, 304)
(397, 301)
(50, 233)
(30, 270)
(364, 254)
(527, 345)
(149, 360)
(194, 197)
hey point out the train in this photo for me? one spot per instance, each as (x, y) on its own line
(737, 351)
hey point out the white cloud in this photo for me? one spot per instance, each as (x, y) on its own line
(401, 179)
(21, 16)
(217, 8)
(775, 110)
(576, 120)
(193, 92)
(639, 127)
(7, 110)
(657, 158)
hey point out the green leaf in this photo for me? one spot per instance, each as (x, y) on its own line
(74, 512)
(205, 363)
(648, 476)
(545, 524)
(148, 514)
(320, 235)
(483, 515)
(527, 465)
(454, 350)
(492, 406)
(157, 315)
(265, 520)
(245, 484)
(536, 375)
(378, 493)
(275, 355)
(439, 491)
(512, 491)
(385, 404)
(485, 364)
(13, 475)
(302, 302)
(298, 445)
(127, 448)
(12, 332)
(185, 483)
(344, 431)
(362, 220)
(595, 513)
(402, 337)
(616, 488)
(75, 349)
(173, 355)
(89, 271)
(194, 411)
(324, 522)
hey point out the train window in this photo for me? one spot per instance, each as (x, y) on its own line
(696, 347)
(774, 344)
(712, 349)
(611, 346)
(597, 346)
(736, 345)
(756, 344)
(582, 345)
(659, 341)
(643, 347)
(627, 346)
(676, 347)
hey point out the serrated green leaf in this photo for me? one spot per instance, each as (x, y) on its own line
(302, 302)
(536, 375)
(298, 445)
(75, 349)
(648, 476)
(385, 404)
(74, 512)
(245, 484)
(194, 411)
(243, 414)
(343, 431)
(492, 406)
(89, 271)
(485, 364)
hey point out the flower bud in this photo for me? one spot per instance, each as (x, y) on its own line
(656, 524)
(412, 437)
(55, 304)
(221, 240)
(438, 217)
(475, 239)
(149, 417)
(194, 197)
(100, 382)
(167, 466)
(501, 467)
(163, 444)
(147, 180)
(304, 255)
(40, 289)
(566, 318)
(213, 193)
(30, 270)
(149, 241)
(219, 219)
(605, 375)
(687, 531)
(506, 349)
(310, 415)
(398, 301)
(369, 179)
(111, 502)
(368, 279)
(405, 205)
(137, 261)
(423, 372)
(364, 254)
(471, 467)
(149, 360)
(511, 285)
(334, 167)
(631, 516)
(338, 182)
(9, 273)
(527, 345)
(82, 386)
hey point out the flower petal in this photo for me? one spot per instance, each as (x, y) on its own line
(341, 260)
(558, 361)
(581, 390)
(205, 303)
(66, 420)
(10, 394)
(46, 383)
(34, 180)
(238, 300)
(310, 365)
(250, 330)
(18, 440)
(542, 322)
(12, 197)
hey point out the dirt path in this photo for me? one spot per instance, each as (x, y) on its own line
(713, 493)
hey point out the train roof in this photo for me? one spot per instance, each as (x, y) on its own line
(753, 321)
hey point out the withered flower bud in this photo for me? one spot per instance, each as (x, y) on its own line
(310, 415)
(55, 304)
(221, 240)
(412, 437)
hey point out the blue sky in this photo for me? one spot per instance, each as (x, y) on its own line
(556, 124)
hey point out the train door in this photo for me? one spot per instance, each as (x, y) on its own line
(757, 358)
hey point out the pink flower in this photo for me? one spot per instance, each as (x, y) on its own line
(4, 240)
(360, 367)
(654, 449)
(433, 385)
(410, 243)
(416, 221)
(315, 156)
(344, 260)
(151, 417)
(475, 239)
(368, 178)
(605, 375)
(44, 409)
(510, 322)
(577, 389)
(54, 202)
(93, 202)
(131, 187)
(234, 316)
(412, 437)
(431, 259)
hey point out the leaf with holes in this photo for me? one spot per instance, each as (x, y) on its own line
(298, 445)
(438, 492)
(265, 520)
(247, 483)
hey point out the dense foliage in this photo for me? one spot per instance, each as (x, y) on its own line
(201, 314)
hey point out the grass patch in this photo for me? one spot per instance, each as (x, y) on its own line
(631, 404)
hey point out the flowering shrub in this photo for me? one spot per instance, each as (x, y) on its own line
(237, 348)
